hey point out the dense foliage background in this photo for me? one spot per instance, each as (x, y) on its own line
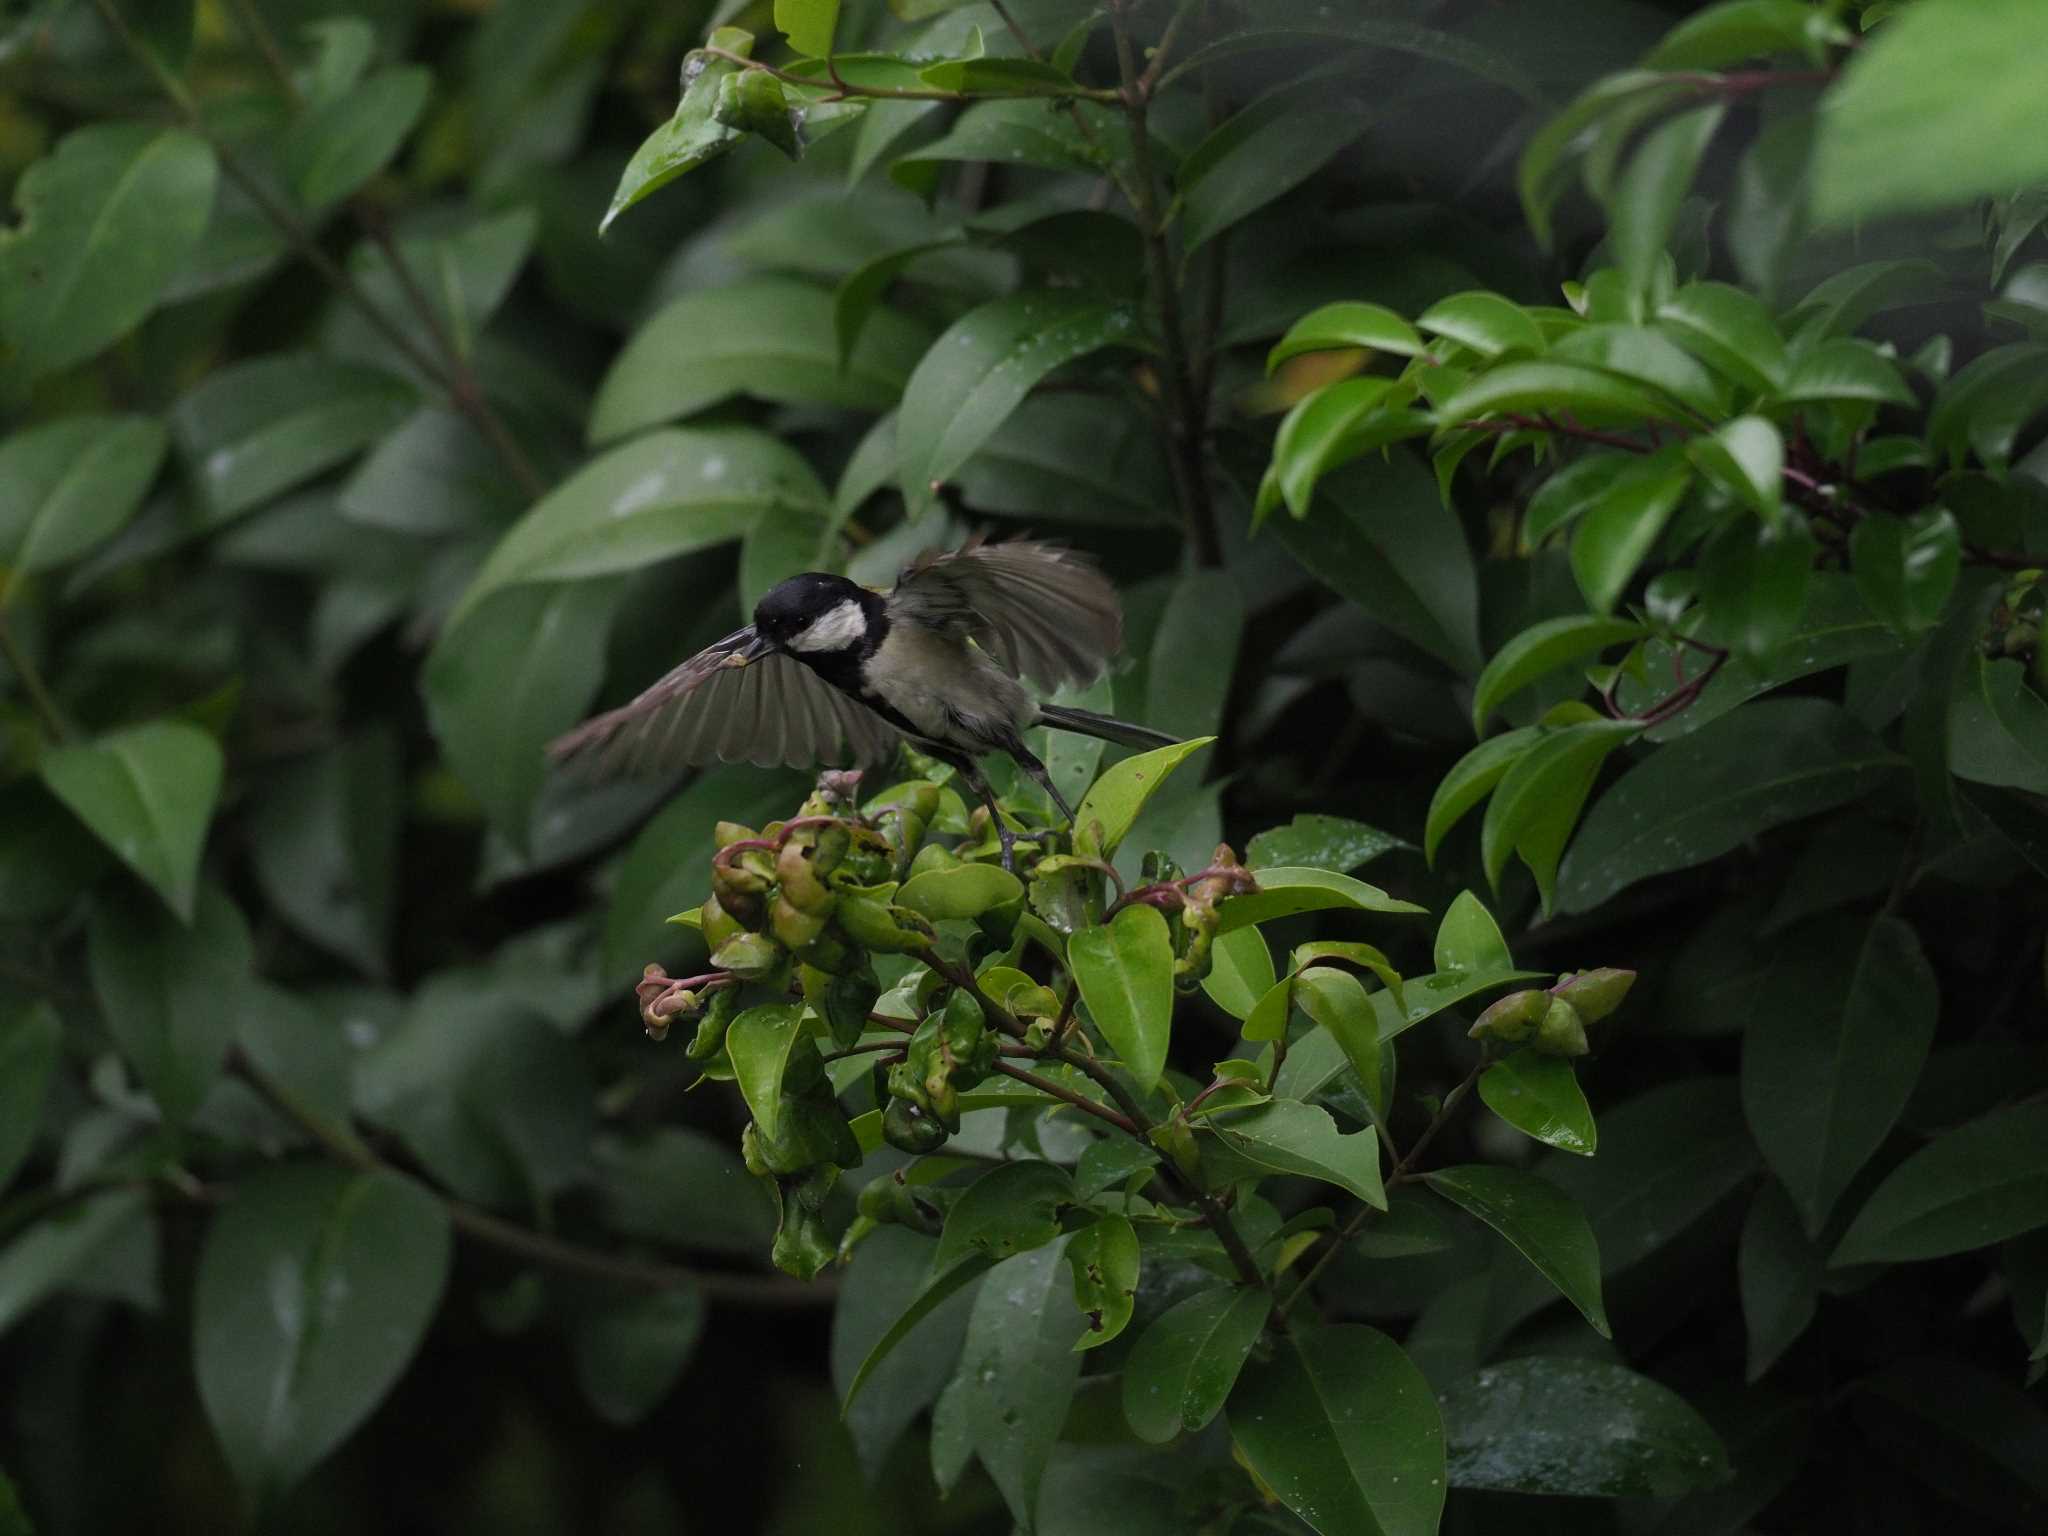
(346, 462)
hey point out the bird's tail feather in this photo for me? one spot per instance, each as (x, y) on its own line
(1062, 717)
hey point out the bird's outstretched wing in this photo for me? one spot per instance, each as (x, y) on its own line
(772, 711)
(1042, 611)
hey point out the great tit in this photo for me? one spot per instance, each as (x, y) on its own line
(831, 671)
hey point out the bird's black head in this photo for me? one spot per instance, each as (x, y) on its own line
(817, 614)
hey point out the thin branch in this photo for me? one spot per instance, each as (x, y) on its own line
(257, 30)
(343, 1145)
(31, 680)
(902, 93)
(1067, 1095)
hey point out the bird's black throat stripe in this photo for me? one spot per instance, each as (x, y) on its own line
(844, 668)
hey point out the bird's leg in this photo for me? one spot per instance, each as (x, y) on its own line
(971, 776)
(1028, 761)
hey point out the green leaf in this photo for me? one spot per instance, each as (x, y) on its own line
(325, 846)
(1070, 458)
(981, 369)
(773, 338)
(1304, 24)
(1695, 799)
(1746, 458)
(1537, 805)
(1578, 1427)
(1261, 153)
(1647, 356)
(1539, 1095)
(148, 793)
(1471, 779)
(1974, 1186)
(1104, 1257)
(1289, 1136)
(1779, 1271)
(1019, 133)
(1125, 972)
(1240, 972)
(1194, 649)
(940, 1285)
(759, 1043)
(1906, 567)
(1346, 324)
(1541, 1220)
(1186, 1362)
(1898, 137)
(1017, 77)
(1318, 434)
(1344, 1429)
(107, 220)
(68, 486)
(1286, 892)
(1834, 1048)
(888, 1268)
(859, 293)
(689, 138)
(1732, 31)
(1108, 810)
(963, 891)
(29, 1040)
(1468, 939)
(1847, 368)
(1487, 323)
(1540, 650)
(44, 1257)
(518, 671)
(1021, 1364)
(1543, 173)
(1729, 330)
(1595, 396)
(630, 1350)
(315, 1288)
(259, 427)
(1972, 1436)
(1646, 200)
(808, 24)
(337, 146)
(1320, 842)
(1618, 531)
(1009, 1210)
(1336, 1001)
(662, 494)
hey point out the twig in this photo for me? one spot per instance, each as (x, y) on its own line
(345, 1147)
(253, 27)
(31, 680)
(1067, 1095)
(904, 93)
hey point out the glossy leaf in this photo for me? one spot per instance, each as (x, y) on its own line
(689, 138)
(1468, 938)
(662, 494)
(1729, 330)
(1336, 1001)
(1104, 1259)
(1906, 568)
(1285, 892)
(1536, 807)
(981, 369)
(1320, 842)
(759, 1042)
(1346, 324)
(339, 144)
(1539, 1095)
(1834, 1048)
(1732, 31)
(1109, 809)
(1616, 533)
(1578, 1427)
(1976, 1185)
(1847, 368)
(767, 337)
(315, 1288)
(148, 793)
(1288, 1136)
(1471, 779)
(107, 220)
(1539, 650)
(1541, 1220)
(1745, 457)
(1767, 763)
(1186, 1362)
(1645, 202)
(1124, 969)
(1344, 1429)
(71, 484)
(1020, 1358)
(1316, 436)
(1556, 386)
(961, 891)
(1240, 972)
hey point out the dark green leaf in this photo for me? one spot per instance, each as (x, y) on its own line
(1735, 30)
(888, 1269)
(1728, 330)
(681, 1188)
(1540, 650)
(1260, 153)
(937, 1287)
(1579, 1427)
(1320, 842)
(337, 146)
(1647, 356)
(1780, 1272)
(1186, 1362)
(1104, 1258)
(1017, 77)
(771, 338)
(981, 369)
(1619, 528)
(1536, 807)
(68, 486)
(1320, 433)
(1288, 1136)
(107, 220)
(1304, 24)
(1471, 779)
(1974, 1186)
(1009, 1210)
(29, 1040)
(315, 1288)
(1344, 1429)
(1835, 1045)
(1767, 763)
(1541, 1220)
(1906, 568)
(147, 793)
(326, 839)
(1745, 457)
(1125, 972)
(1020, 1360)
(1539, 1095)
(1972, 1436)
(630, 1350)
(50, 1252)
(1285, 892)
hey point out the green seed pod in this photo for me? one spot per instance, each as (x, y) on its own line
(848, 1000)
(726, 833)
(716, 924)
(798, 880)
(1512, 1018)
(829, 951)
(792, 926)
(930, 857)
(829, 850)
(803, 1247)
(908, 1128)
(1191, 967)
(718, 1016)
(876, 925)
(1562, 1032)
(741, 892)
(751, 957)
(1595, 994)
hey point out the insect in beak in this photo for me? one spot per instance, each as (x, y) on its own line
(746, 655)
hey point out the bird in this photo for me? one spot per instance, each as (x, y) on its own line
(831, 671)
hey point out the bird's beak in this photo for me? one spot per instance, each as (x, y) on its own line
(751, 650)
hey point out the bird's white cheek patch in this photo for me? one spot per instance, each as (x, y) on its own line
(835, 629)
